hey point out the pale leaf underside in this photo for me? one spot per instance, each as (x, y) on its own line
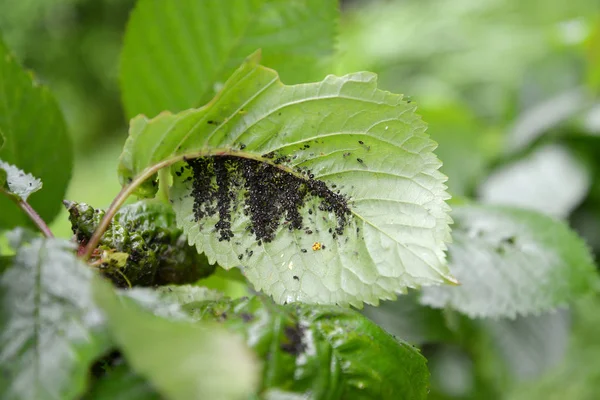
(364, 142)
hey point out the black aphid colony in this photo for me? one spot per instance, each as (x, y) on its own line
(272, 195)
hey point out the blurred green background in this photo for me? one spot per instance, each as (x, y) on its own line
(509, 89)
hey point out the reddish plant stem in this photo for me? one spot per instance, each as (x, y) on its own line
(118, 202)
(31, 213)
(35, 217)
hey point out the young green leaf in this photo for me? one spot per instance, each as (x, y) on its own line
(15, 182)
(177, 53)
(512, 262)
(326, 192)
(51, 330)
(142, 246)
(36, 140)
(324, 351)
(181, 360)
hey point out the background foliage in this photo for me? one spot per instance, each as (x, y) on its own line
(510, 92)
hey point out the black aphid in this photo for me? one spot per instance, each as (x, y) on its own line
(296, 278)
(361, 142)
(359, 160)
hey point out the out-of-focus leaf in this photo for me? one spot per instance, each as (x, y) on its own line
(182, 360)
(321, 351)
(405, 318)
(577, 377)
(591, 120)
(177, 53)
(5, 262)
(593, 58)
(335, 181)
(142, 246)
(538, 120)
(3, 177)
(230, 282)
(550, 180)
(17, 183)
(122, 383)
(401, 41)
(172, 302)
(51, 330)
(530, 345)
(460, 139)
(187, 294)
(151, 300)
(512, 262)
(452, 372)
(36, 140)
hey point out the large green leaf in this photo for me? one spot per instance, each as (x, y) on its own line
(510, 262)
(182, 360)
(320, 351)
(334, 193)
(15, 182)
(177, 53)
(50, 328)
(36, 140)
